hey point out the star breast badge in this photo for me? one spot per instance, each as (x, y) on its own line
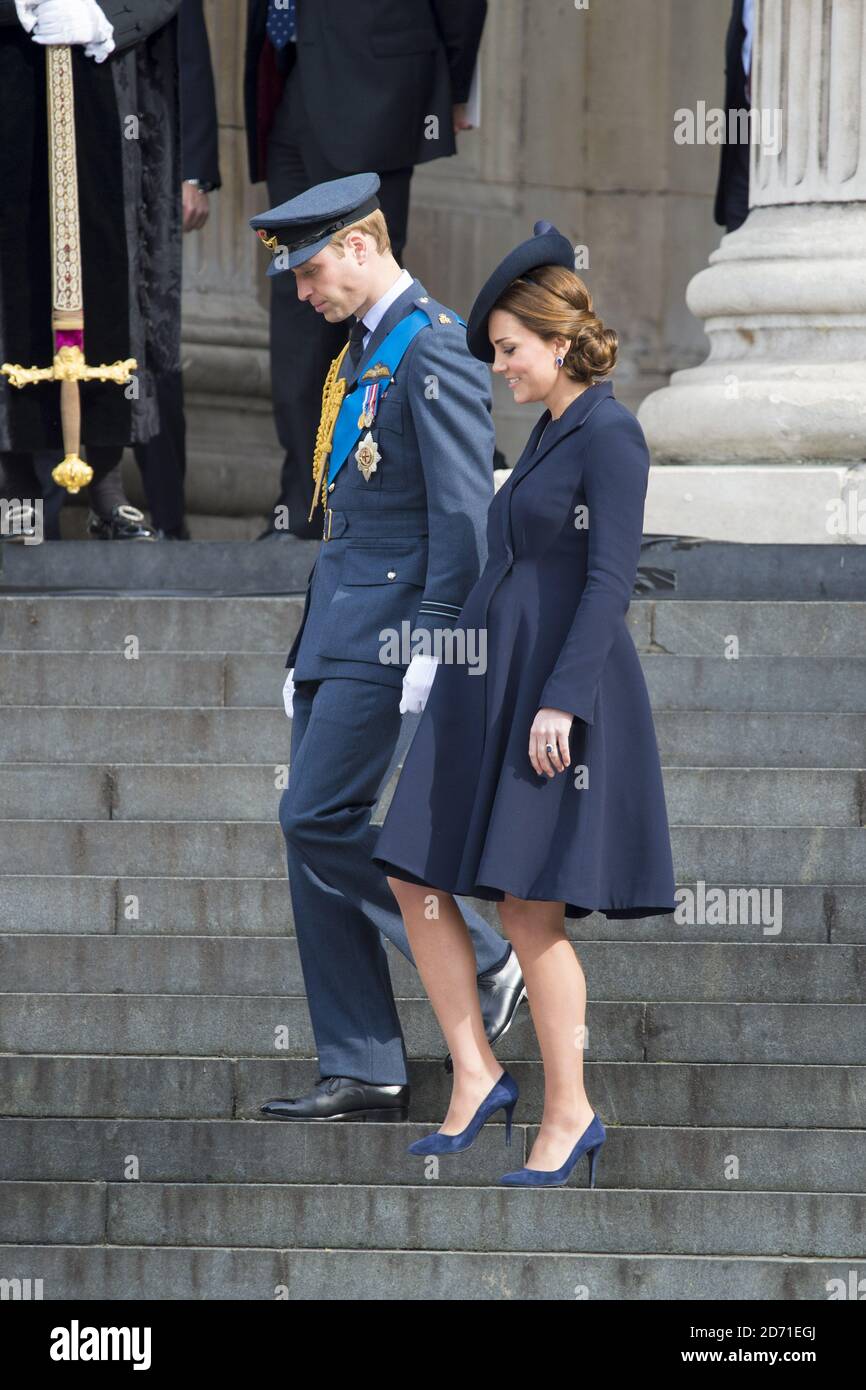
(368, 456)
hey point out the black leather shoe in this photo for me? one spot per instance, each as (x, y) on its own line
(126, 523)
(500, 994)
(343, 1098)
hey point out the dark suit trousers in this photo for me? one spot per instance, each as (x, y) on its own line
(303, 344)
(344, 747)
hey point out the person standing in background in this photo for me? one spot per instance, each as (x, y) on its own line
(162, 460)
(334, 88)
(732, 193)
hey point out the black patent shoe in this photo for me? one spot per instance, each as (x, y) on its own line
(500, 995)
(342, 1098)
(126, 523)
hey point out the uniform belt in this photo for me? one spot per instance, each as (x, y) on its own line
(381, 524)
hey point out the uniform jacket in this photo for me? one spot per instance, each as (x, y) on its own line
(408, 544)
(372, 73)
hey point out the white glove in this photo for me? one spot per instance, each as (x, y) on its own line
(289, 693)
(68, 22)
(417, 682)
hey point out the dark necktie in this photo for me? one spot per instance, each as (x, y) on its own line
(356, 343)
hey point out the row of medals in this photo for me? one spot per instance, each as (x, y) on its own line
(367, 454)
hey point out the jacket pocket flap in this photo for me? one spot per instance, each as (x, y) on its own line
(383, 567)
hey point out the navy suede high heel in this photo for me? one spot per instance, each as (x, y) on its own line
(503, 1096)
(589, 1143)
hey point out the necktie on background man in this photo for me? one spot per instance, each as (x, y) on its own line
(282, 23)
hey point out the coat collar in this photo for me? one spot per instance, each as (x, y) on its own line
(554, 432)
(571, 419)
(392, 316)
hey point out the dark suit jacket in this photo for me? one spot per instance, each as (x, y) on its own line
(199, 128)
(727, 209)
(372, 72)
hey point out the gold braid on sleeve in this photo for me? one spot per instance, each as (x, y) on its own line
(332, 398)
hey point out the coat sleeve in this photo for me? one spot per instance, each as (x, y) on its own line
(136, 20)
(449, 394)
(461, 24)
(616, 471)
(200, 131)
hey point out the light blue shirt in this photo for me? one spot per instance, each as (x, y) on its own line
(374, 316)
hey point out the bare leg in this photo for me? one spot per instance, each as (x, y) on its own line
(556, 991)
(442, 948)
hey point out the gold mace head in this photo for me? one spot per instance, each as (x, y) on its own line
(73, 473)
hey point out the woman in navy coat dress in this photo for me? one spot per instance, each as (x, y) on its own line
(533, 778)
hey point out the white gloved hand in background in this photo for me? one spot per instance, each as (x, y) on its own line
(417, 682)
(289, 693)
(68, 22)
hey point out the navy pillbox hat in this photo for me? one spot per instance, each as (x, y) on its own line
(546, 246)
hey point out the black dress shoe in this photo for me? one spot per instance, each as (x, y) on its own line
(343, 1098)
(500, 993)
(126, 523)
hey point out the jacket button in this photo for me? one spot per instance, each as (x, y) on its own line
(392, 574)
(330, 487)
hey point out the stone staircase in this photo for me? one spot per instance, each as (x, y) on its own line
(148, 962)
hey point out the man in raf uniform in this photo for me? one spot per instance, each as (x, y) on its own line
(403, 470)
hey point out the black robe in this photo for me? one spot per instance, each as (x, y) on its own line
(130, 208)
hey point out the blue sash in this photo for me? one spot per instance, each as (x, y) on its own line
(347, 430)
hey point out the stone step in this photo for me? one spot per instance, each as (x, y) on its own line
(249, 1151)
(434, 1216)
(232, 567)
(262, 907)
(249, 791)
(686, 738)
(754, 1095)
(702, 569)
(124, 1272)
(189, 624)
(260, 966)
(62, 623)
(234, 679)
(255, 1026)
(751, 856)
(162, 679)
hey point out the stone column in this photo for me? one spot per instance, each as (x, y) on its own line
(767, 438)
